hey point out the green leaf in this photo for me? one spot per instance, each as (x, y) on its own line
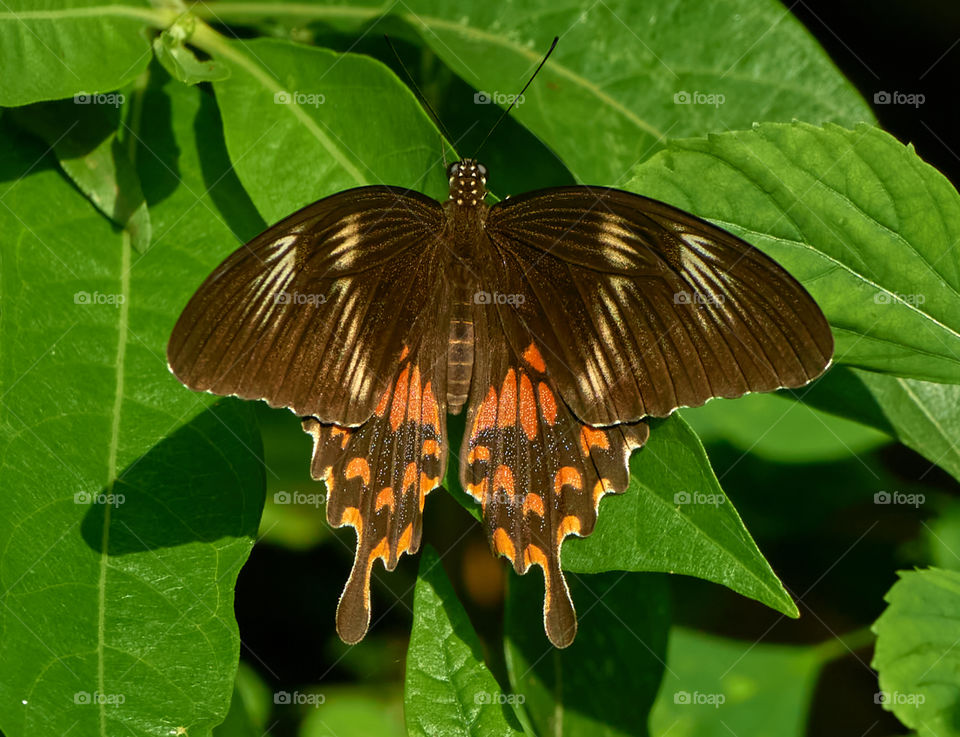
(302, 123)
(72, 47)
(858, 217)
(249, 707)
(624, 62)
(181, 62)
(605, 683)
(134, 600)
(356, 712)
(716, 687)
(916, 654)
(675, 518)
(449, 690)
(774, 429)
(943, 537)
(85, 141)
(646, 529)
(923, 415)
(295, 513)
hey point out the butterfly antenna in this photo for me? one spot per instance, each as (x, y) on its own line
(513, 102)
(445, 134)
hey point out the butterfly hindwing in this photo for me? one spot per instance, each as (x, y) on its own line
(313, 313)
(644, 308)
(537, 471)
(378, 474)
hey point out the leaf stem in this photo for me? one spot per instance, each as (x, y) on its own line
(843, 645)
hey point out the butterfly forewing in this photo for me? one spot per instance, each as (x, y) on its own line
(313, 313)
(644, 308)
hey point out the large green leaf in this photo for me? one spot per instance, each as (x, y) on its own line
(449, 690)
(357, 712)
(133, 600)
(605, 683)
(916, 654)
(622, 61)
(859, 218)
(922, 415)
(302, 123)
(715, 687)
(774, 428)
(86, 143)
(72, 47)
(675, 518)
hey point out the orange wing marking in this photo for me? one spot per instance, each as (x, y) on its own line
(528, 408)
(534, 359)
(358, 467)
(548, 403)
(533, 503)
(567, 476)
(384, 499)
(486, 415)
(591, 438)
(503, 545)
(507, 410)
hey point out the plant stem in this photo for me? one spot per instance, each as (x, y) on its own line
(845, 644)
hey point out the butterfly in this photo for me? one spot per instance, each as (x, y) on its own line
(559, 320)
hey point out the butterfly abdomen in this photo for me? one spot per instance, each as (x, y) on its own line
(460, 345)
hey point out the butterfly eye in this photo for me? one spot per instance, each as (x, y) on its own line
(453, 170)
(482, 170)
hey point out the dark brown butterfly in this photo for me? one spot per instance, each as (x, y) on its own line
(560, 318)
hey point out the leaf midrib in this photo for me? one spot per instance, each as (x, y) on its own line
(112, 451)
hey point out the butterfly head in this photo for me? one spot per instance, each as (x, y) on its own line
(468, 182)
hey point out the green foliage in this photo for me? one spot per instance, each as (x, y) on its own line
(916, 651)
(625, 615)
(675, 518)
(717, 685)
(449, 689)
(129, 504)
(117, 583)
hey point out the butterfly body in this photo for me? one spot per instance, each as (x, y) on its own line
(560, 319)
